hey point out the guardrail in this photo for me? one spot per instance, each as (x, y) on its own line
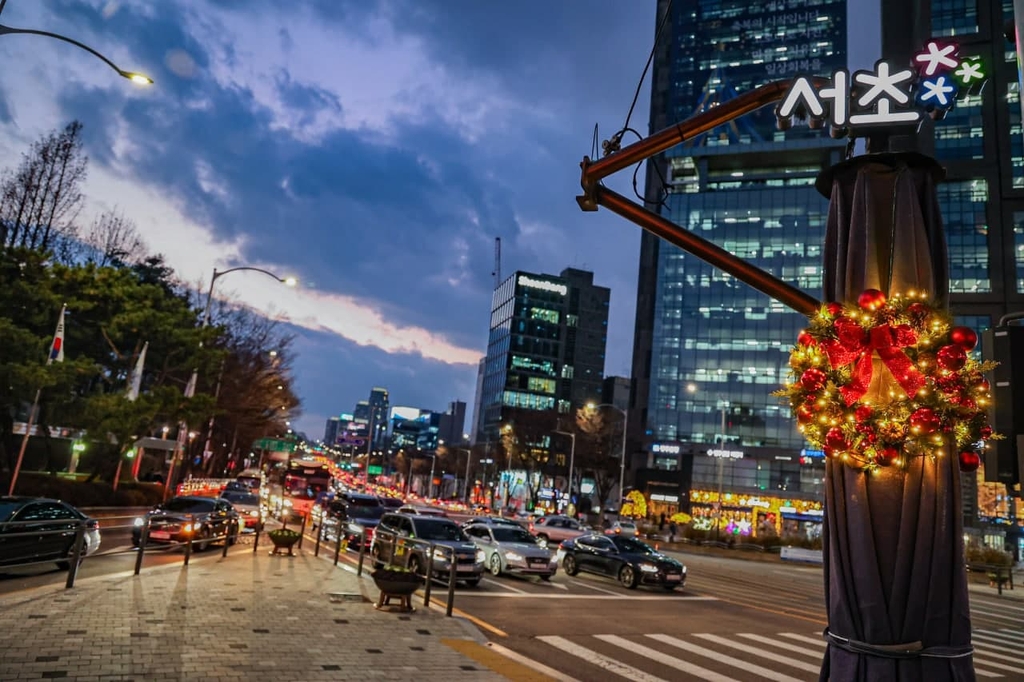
(998, 574)
(394, 542)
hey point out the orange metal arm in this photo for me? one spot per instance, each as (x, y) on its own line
(595, 194)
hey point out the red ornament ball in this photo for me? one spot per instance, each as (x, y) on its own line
(924, 421)
(965, 337)
(952, 357)
(886, 456)
(919, 311)
(986, 432)
(871, 300)
(804, 414)
(983, 385)
(834, 308)
(813, 379)
(805, 339)
(835, 439)
(863, 413)
(829, 453)
(969, 460)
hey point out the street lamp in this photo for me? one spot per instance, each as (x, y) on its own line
(622, 461)
(572, 458)
(723, 406)
(133, 76)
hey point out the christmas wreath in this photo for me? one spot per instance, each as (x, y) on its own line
(886, 380)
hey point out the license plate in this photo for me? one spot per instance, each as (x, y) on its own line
(538, 562)
(159, 535)
(673, 578)
(465, 567)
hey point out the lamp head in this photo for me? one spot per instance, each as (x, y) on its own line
(137, 78)
(290, 281)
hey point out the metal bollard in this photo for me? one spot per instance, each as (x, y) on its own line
(337, 546)
(430, 572)
(76, 555)
(408, 554)
(143, 539)
(362, 551)
(451, 584)
(319, 534)
(256, 540)
(188, 545)
(302, 530)
(227, 541)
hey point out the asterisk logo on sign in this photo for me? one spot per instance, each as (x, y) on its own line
(937, 56)
(969, 71)
(937, 91)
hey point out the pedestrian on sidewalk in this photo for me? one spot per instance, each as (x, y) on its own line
(672, 528)
(661, 522)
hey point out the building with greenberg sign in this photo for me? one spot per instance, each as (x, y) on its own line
(546, 346)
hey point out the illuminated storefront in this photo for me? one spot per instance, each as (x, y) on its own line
(756, 515)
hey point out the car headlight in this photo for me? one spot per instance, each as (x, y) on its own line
(648, 568)
(481, 556)
(288, 503)
(253, 512)
(512, 556)
(187, 528)
(139, 522)
(440, 555)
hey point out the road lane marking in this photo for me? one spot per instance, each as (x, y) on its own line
(1004, 632)
(756, 651)
(994, 639)
(599, 660)
(503, 586)
(527, 661)
(997, 604)
(982, 650)
(512, 669)
(1011, 631)
(722, 658)
(979, 662)
(610, 597)
(810, 640)
(593, 587)
(665, 659)
(993, 614)
(782, 645)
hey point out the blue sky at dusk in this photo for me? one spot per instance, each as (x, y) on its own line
(372, 149)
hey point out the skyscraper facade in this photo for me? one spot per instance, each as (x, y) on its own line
(708, 349)
(546, 346)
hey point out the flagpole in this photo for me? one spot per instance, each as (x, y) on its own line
(24, 440)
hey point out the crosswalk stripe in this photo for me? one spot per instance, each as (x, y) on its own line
(724, 641)
(781, 645)
(1001, 641)
(501, 586)
(722, 658)
(600, 660)
(665, 659)
(1012, 632)
(818, 641)
(1003, 632)
(997, 604)
(579, 582)
(992, 614)
(993, 664)
(983, 650)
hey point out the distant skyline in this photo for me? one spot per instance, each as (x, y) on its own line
(373, 150)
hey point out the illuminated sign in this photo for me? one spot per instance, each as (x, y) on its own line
(812, 454)
(657, 497)
(888, 95)
(727, 454)
(525, 281)
(666, 448)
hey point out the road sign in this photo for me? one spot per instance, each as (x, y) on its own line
(375, 469)
(274, 445)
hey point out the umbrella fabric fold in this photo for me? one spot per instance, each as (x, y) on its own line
(895, 581)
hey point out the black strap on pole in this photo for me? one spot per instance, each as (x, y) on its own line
(76, 554)
(143, 539)
(898, 651)
(430, 574)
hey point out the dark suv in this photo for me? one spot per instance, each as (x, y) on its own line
(352, 513)
(424, 530)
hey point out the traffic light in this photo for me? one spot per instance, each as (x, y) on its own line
(1004, 456)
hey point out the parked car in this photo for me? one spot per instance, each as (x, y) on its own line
(624, 528)
(511, 549)
(394, 527)
(41, 529)
(322, 501)
(554, 529)
(392, 502)
(247, 505)
(627, 559)
(186, 516)
(420, 510)
(491, 521)
(352, 513)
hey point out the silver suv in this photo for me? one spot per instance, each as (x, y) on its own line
(551, 530)
(420, 532)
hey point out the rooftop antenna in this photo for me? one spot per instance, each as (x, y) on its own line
(497, 262)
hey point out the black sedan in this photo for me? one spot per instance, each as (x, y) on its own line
(37, 530)
(200, 518)
(627, 559)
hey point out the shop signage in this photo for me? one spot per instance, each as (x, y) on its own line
(727, 454)
(657, 497)
(666, 448)
(812, 454)
(544, 285)
(889, 94)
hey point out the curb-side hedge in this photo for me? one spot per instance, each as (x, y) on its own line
(83, 494)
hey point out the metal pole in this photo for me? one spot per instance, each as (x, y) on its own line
(319, 534)
(76, 555)
(209, 428)
(451, 584)
(362, 550)
(433, 463)
(572, 461)
(191, 534)
(622, 461)
(302, 530)
(369, 449)
(143, 539)
(721, 473)
(465, 487)
(24, 440)
(408, 481)
(337, 545)
(430, 572)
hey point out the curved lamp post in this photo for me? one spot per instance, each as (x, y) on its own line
(133, 76)
(622, 457)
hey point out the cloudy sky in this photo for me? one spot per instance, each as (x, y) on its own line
(374, 149)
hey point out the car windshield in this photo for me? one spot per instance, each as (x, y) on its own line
(241, 498)
(361, 512)
(631, 546)
(627, 524)
(431, 529)
(508, 534)
(7, 509)
(189, 505)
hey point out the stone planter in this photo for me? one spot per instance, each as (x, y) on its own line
(400, 584)
(283, 539)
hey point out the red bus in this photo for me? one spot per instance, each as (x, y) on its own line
(294, 487)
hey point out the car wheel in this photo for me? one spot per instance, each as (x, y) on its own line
(204, 540)
(66, 565)
(569, 564)
(495, 564)
(233, 535)
(627, 576)
(543, 541)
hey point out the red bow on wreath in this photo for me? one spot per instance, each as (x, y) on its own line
(855, 345)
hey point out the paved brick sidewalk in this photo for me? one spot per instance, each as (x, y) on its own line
(249, 616)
